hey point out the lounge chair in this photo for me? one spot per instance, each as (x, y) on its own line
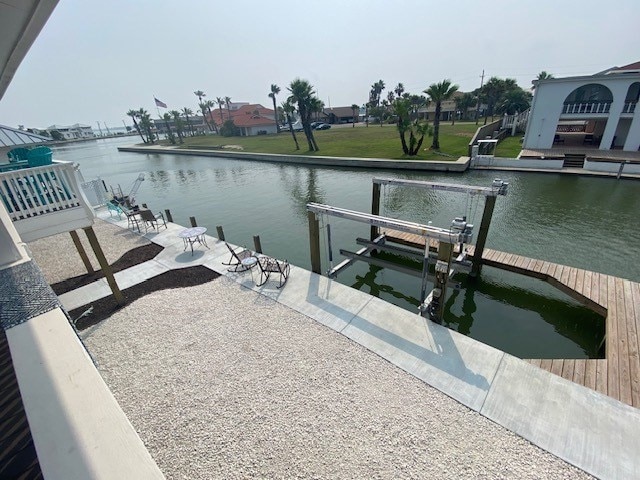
(152, 219)
(237, 256)
(268, 265)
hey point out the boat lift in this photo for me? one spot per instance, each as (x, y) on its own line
(128, 200)
(460, 233)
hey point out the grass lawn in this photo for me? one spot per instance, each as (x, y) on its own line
(510, 147)
(372, 142)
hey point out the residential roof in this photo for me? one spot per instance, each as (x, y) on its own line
(250, 115)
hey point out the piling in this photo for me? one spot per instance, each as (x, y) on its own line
(314, 242)
(193, 221)
(375, 208)
(256, 243)
(167, 214)
(220, 232)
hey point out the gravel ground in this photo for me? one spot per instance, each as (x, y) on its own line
(59, 260)
(221, 382)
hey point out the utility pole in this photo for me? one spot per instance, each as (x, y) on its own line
(479, 92)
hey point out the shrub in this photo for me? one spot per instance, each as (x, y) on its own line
(229, 129)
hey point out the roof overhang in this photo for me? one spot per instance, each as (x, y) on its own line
(20, 23)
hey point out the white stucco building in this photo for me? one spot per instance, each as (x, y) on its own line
(597, 111)
(72, 132)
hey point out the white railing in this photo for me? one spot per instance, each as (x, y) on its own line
(574, 108)
(513, 122)
(30, 192)
(629, 107)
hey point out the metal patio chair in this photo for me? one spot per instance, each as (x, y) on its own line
(237, 256)
(268, 265)
(154, 220)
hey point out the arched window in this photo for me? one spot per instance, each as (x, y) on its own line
(633, 95)
(588, 99)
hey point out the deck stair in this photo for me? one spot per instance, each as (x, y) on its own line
(573, 160)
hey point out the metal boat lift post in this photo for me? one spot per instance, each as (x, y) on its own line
(446, 239)
(498, 187)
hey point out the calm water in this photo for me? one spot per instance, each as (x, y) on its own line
(579, 221)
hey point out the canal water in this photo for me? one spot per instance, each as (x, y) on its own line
(584, 222)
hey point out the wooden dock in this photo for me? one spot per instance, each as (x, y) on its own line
(617, 299)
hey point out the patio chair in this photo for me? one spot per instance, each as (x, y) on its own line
(114, 209)
(132, 221)
(268, 265)
(152, 219)
(237, 256)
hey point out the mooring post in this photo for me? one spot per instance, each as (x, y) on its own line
(81, 251)
(193, 221)
(375, 208)
(220, 232)
(489, 204)
(167, 213)
(144, 205)
(620, 169)
(314, 242)
(256, 243)
(442, 277)
(104, 265)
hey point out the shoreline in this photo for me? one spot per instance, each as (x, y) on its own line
(459, 166)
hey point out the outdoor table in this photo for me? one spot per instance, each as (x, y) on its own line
(192, 235)
(248, 263)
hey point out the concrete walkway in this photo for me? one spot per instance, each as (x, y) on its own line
(587, 429)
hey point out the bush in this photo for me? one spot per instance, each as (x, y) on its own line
(229, 129)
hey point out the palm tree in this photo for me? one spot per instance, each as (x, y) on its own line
(146, 124)
(542, 76)
(403, 108)
(170, 135)
(178, 123)
(220, 102)
(134, 115)
(227, 100)
(354, 111)
(288, 109)
(200, 94)
(438, 92)
(186, 112)
(275, 89)
(302, 93)
(208, 104)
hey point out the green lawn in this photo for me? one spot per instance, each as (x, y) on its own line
(373, 142)
(509, 147)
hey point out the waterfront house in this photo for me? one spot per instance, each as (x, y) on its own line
(73, 132)
(251, 119)
(593, 111)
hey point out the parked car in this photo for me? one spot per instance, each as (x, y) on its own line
(323, 126)
(284, 128)
(314, 125)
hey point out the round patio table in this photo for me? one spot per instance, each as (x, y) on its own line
(192, 235)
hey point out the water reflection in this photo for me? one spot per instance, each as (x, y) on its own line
(301, 188)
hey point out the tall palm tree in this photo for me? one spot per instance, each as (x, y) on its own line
(178, 123)
(186, 111)
(438, 92)
(302, 93)
(275, 89)
(542, 76)
(200, 94)
(288, 109)
(220, 102)
(208, 104)
(227, 100)
(134, 115)
(146, 124)
(355, 108)
(170, 134)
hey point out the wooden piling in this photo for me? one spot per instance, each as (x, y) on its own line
(489, 204)
(375, 208)
(144, 205)
(220, 232)
(193, 221)
(314, 242)
(256, 243)
(167, 214)
(104, 265)
(81, 251)
(444, 254)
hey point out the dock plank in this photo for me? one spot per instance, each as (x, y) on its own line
(632, 305)
(557, 366)
(604, 290)
(586, 285)
(579, 285)
(564, 278)
(546, 364)
(595, 288)
(568, 367)
(590, 374)
(573, 275)
(579, 368)
(613, 379)
(623, 344)
(601, 376)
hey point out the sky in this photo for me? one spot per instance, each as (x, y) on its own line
(95, 60)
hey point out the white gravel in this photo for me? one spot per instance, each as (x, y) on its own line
(59, 259)
(221, 382)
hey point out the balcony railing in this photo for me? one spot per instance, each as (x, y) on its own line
(629, 107)
(574, 108)
(43, 201)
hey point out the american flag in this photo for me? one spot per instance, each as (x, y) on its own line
(159, 103)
